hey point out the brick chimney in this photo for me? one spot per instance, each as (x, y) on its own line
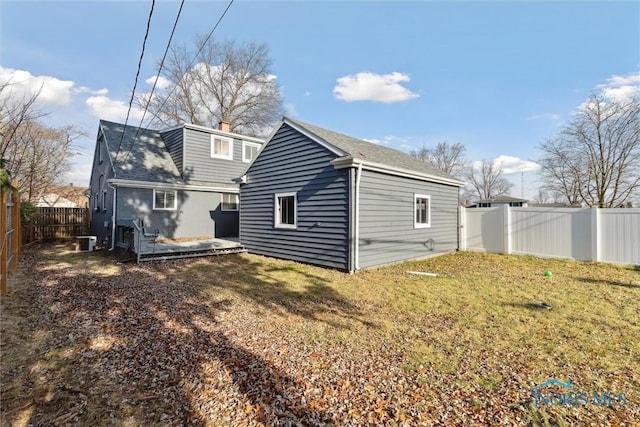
(223, 126)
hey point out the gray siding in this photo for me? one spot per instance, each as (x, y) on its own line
(173, 141)
(292, 162)
(387, 232)
(198, 214)
(101, 213)
(200, 166)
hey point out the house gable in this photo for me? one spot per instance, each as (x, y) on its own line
(295, 167)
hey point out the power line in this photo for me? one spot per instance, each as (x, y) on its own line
(135, 83)
(155, 82)
(194, 58)
(174, 87)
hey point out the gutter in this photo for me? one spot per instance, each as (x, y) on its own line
(347, 162)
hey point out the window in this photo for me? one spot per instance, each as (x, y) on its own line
(100, 159)
(285, 210)
(422, 217)
(249, 151)
(229, 202)
(104, 200)
(164, 200)
(221, 147)
(97, 195)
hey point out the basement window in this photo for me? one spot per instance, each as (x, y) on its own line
(285, 210)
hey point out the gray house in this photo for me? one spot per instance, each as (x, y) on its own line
(320, 197)
(174, 183)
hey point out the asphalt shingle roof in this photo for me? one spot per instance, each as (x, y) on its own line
(144, 159)
(368, 151)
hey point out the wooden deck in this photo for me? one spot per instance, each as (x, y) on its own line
(152, 250)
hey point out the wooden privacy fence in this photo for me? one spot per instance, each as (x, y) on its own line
(10, 235)
(48, 223)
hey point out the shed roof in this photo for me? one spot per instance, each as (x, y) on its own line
(350, 147)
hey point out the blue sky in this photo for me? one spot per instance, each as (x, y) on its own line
(499, 77)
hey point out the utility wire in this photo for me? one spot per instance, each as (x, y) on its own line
(155, 82)
(155, 115)
(194, 58)
(144, 42)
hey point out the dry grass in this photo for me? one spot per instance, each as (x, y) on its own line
(248, 340)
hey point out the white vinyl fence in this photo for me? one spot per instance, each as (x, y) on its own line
(591, 234)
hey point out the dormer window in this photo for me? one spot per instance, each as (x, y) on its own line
(221, 147)
(249, 151)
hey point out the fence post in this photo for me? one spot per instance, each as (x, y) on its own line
(3, 246)
(506, 218)
(16, 236)
(462, 231)
(595, 234)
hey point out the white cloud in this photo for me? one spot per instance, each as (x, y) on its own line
(373, 141)
(544, 116)
(22, 84)
(162, 83)
(307, 93)
(510, 164)
(367, 86)
(106, 108)
(619, 88)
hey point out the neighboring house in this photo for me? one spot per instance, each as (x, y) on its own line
(317, 196)
(499, 201)
(63, 196)
(174, 183)
(53, 200)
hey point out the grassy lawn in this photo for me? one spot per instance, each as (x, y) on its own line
(248, 340)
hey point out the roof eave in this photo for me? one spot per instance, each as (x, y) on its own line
(306, 132)
(348, 162)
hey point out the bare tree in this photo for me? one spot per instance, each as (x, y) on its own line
(595, 159)
(229, 82)
(32, 154)
(486, 180)
(447, 157)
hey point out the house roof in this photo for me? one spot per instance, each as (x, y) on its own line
(141, 158)
(364, 151)
(502, 199)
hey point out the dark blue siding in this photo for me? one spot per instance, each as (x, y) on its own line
(291, 162)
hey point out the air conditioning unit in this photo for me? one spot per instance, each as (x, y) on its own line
(86, 243)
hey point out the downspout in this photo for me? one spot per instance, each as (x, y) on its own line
(357, 214)
(113, 217)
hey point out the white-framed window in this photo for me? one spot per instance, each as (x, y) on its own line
(164, 200)
(285, 210)
(249, 151)
(230, 202)
(221, 147)
(422, 212)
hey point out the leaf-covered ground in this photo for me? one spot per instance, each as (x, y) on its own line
(248, 340)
